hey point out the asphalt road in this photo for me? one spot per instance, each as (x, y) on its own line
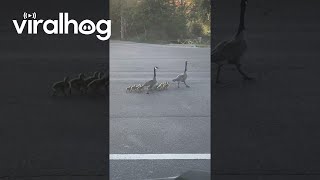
(174, 121)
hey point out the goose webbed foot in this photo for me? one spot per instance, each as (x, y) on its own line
(149, 89)
(247, 78)
(186, 84)
(218, 75)
(244, 75)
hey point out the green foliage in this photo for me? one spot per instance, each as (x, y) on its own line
(154, 20)
(196, 29)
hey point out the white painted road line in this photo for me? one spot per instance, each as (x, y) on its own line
(166, 178)
(160, 156)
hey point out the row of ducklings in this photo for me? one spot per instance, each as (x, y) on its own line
(139, 87)
(80, 84)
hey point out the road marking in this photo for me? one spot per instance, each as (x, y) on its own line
(166, 178)
(160, 156)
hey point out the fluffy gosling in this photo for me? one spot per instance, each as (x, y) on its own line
(97, 84)
(78, 83)
(61, 87)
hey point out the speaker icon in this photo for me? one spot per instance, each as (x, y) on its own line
(27, 15)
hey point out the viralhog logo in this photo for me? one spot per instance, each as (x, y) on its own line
(61, 26)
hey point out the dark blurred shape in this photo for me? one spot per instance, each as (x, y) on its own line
(194, 175)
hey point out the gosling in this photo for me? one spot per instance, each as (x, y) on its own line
(78, 83)
(160, 87)
(128, 89)
(89, 80)
(166, 85)
(97, 84)
(61, 87)
(140, 88)
(134, 88)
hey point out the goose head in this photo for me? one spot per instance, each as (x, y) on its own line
(101, 75)
(243, 5)
(66, 79)
(244, 2)
(241, 27)
(154, 72)
(96, 74)
(81, 76)
(104, 77)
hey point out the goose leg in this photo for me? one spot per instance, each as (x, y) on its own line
(100, 91)
(186, 84)
(148, 89)
(64, 92)
(53, 93)
(218, 74)
(245, 76)
(178, 84)
(83, 90)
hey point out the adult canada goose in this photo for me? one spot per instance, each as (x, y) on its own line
(78, 83)
(231, 51)
(61, 87)
(152, 82)
(182, 77)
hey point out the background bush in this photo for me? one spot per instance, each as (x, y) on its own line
(160, 20)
